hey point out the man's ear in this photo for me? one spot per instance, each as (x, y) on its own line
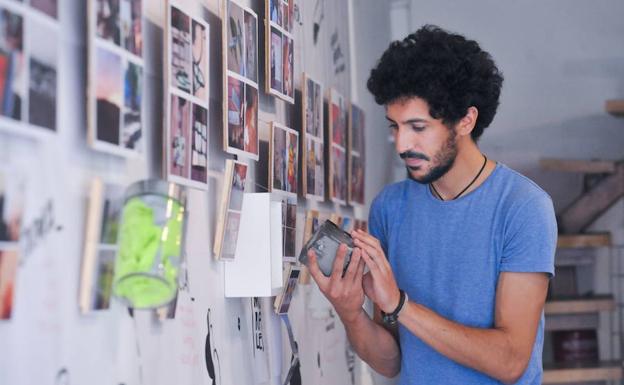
(468, 122)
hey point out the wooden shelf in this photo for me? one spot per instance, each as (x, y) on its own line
(580, 305)
(615, 107)
(571, 373)
(584, 240)
(562, 322)
(579, 165)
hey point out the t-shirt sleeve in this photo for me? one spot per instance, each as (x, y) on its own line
(376, 222)
(531, 238)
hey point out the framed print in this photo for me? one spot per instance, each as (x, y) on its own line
(356, 155)
(279, 49)
(312, 140)
(29, 45)
(105, 202)
(115, 76)
(230, 210)
(283, 159)
(186, 83)
(337, 136)
(240, 80)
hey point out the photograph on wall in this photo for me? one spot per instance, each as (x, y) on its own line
(11, 208)
(338, 118)
(360, 224)
(279, 49)
(105, 202)
(42, 80)
(312, 224)
(11, 64)
(240, 81)
(338, 174)
(230, 209)
(9, 259)
(312, 139)
(289, 231)
(356, 180)
(47, 7)
(283, 162)
(186, 134)
(283, 300)
(116, 76)
(356, 155)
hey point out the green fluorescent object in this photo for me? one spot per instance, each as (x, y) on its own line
(150, 249)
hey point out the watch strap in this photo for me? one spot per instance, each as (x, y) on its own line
(392, 318)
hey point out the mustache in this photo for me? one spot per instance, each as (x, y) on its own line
(413, 155)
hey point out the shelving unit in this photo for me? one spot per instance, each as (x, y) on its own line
(574, 373)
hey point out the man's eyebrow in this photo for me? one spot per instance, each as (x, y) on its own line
(408, 121)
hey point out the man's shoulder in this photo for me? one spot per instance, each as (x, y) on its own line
(519, 188)
(392, 192)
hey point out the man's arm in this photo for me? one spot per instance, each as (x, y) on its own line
(502, 352)
(372, 342)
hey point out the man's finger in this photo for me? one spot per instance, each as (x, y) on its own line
(321, 280)
(353, 265)
(374, 254)
(360, 271)
(372, 264)
(338, 266)
(367, 238)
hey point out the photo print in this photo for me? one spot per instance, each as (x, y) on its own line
(338, 119)
(187, 56)
(283, 163)
(11, 64)
(312, 224)
(356, 155)
(356, 180)
(241, 98)
(338, 175)
(282, 301)
(42, 80)
(313, 172)
(116, 76)
(279, 49)
(47, 7)
(9, 259)
(11, 208)
(230, 209)
(289, 231)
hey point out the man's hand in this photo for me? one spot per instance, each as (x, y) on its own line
(344, 292)
(379, 283)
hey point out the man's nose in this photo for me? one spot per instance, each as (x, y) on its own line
(402, 140)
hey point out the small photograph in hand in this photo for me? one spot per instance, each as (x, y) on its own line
(325, 243)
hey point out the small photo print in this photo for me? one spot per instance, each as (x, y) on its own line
(111, 213)
(108, 20)
(251, 47)
(235, 117)
(291, 16)
(293, 161)
(200, 61)
(131, 26)
(179, 128)
(11, 208)
(280, 159)
(282, 302)
(237, 191)
(235, 39)
(339, 177)
(313, 109)
(103, 283)
(42, 81)
(289, 229)
(315, 174)
(108, 95)
(8, 271)
(230, 238)
(338, 119)
(131, 133)
(180, 50)
(11, 64)
(357, 129)
(275, 11)
(285, 16)
(199, 145)
(48, 7)
(277, 72)
(311, 225)
(357, 180)
(250, 134)
(288, 67)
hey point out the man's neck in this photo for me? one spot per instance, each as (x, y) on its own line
(467, 164)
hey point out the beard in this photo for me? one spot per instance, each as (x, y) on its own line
(443, 160)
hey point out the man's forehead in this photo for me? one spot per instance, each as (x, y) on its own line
(408, 108)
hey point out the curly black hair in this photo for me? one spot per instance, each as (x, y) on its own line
(448, 71)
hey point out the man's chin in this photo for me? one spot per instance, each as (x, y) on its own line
(414, 173)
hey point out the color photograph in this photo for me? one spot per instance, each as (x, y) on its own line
(289, 82)
(103, 282)
(251, 47)
(180, 50)
(112, 205)
(356, 175)
(338, 175)
(289, 230)
(8, 271)
(280, 159)
(11, 208)
(230, 237)
(313, 108)
(48, 7)
(200, 61)
(293, 162)
(237, 190)
(275, 11)
(250, 134)
(235, 113)
(235, 39)
(282, 302)
(199, 145)
(108, 20)
(11, 64)
(108, 95)
(131, 26)
(277, 72)
(132, 133)
(42, 81)
(338, 119)
(315, 174)
(357, 124)
(179, 145)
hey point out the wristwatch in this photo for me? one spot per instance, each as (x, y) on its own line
(391, 319)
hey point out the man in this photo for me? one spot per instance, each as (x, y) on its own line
(459, 254)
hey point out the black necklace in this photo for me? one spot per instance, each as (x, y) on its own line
(465, 188)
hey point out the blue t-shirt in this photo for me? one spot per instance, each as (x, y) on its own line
(447, 256)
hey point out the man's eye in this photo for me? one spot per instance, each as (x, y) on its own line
(418, 128)
(393, 127)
